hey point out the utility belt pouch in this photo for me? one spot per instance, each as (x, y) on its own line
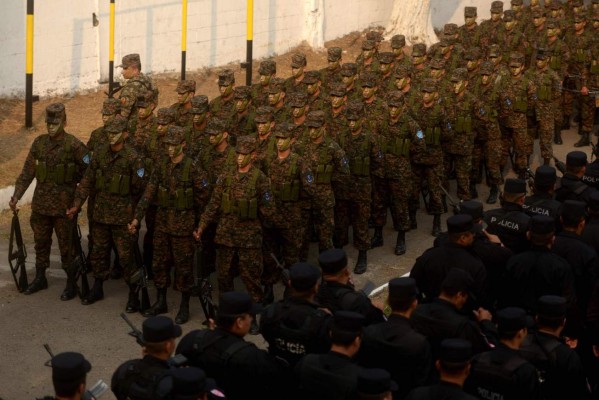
(189, 198)
(555, 63)
(124, 186)
(41, 171)
(114, 186)
(162, 197)
(594, 67)
(70, 173)
(100, 181)
(579, 55)
(253, 209)
(520, 105)
(225, 204)
(242, 208)
(180, 199)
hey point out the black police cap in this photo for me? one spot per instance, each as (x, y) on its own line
(457, 280)
(552, 307)
(512, 319)
(541, 224)
(237, 303)
(375, 381)
(459, 223)
(160, 328)
(69, 366)
(455, 351)
(332, 261)
(473, 208)
(573, 210)
(513, 185)
(348, 322)
(190, 383)
(545, 176)
(576, 159)
(403, 289)
(303, 276)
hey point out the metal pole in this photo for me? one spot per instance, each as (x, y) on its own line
(29, 67)
(184, 40)
(250, 37)
(111, 50)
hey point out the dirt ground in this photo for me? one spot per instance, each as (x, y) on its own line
(97, 331)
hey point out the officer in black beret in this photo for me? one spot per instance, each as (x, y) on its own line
(510, 222)
(140, 377)
(375, 384)
(537, 271)
(297, 325)
(571, 185)
(590, 233)
(453, 366)
(333, 375)
(192, 384)
(561, 372)
(337, 290)
(240, 368)
(542, 201)
(69, 372)
(502, 373)
(432, 266)
(394, 345)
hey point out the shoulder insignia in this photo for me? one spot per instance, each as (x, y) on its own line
(141, 172)
(420, 134)
(267, 196)
(86, 159)
(309, 178)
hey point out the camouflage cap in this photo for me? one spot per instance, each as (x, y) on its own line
(538, 13)
(216, 126)
(311, 77)
(276, 85)
(374, 36)
(450, 29)
(543, 53)
(267, 67)
(334, 53)
(459, 74)
(429, 85)
(555, 6)
(226, 77)
(354, 110)
(145, 99)
(396, 98)
(437, 63)
(315, 119)
(369, 79)
(55, 113)
(447, 40)
(242, 92)
(166, 116)
(113, 106)
(337, 89)
(349, 69)
(516, 2)
(246, 145)
(199, 104)
(472, 54)
(497, 7)
(130, 60)
(174, 135)
(403, 71)
(368, 44)
(494, 51)
(419, 50)
(509, 16)
(469, 11)
(386, 57)
(516, 59)
(398, 41)
(486, 68)
(580, 17)
(186, 86)
(284, 130)
(116, 125)
(577, 3)
(264, 114)
(298, 99)
(551, 24)
(298, 60)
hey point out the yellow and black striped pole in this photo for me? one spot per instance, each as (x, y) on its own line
(184, 40)
(111, 50)
(29, 67)
(250, 38)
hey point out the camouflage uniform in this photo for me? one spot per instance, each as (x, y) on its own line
(242, 123)
(240, 203)
(368, 60)
(267, 71)
(298, 104)
(294, 83)
(495, 56)
(512, 40)
(184, 116)
(196, 139)
(57, 163)
(387, 77)
(375, 108)
(469, 35)
(491, 29)
(316, 96)
(335, 115)
(419, 64)
(332, 73)
(266, 143)
(398, 45)
(133, 87)
(473, 59)
(349, 76)
(276, 99)
(224, 106)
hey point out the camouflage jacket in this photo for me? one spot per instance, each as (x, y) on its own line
(319, 102)
(436, 128)
(222, 108)
(470, 37)
(128, 94)
(376, 112)
(282, 114)
(580, 51)
(288, 177)
(292, 86)
(488, 95)
(518, 98)
(215, 163)
(242, 125)
(398, 140)
(465, 112)
(560, 55)
(328, 77)
(490, 32)
(142, 130)
(548, 87)
(259, 95)
(511, 41)
(197, 142)
(58, 166)
(265, 152)
(336, 123)
(184, 117)
(97, 138)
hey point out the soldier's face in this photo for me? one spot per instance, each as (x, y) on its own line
(283, 144)
(509, 25)
(265, 80)
(368, 92)
(55, 129)
(436, 73)
(199, 119)
(145, 112)
(367, 54)
(337, 101)
(243, 159)
(226, 90)
(316, 133)
(485, 79)
(348, 80)
(273, 98)
(296, 72)
(516, 8)
(428, 97)
(596, 24)
(115, 138)
(578, 26)
(551, 32)
(459, 87)
(385, 68)
(127, 72)
(401, 83)
(494, 59)
(542, 63)
(495, 17)
(298, 111)
(161, 128)
(470, 20)
(183, 98)
(515, 71)
(554, 13)
(538, 21)
(174, 150)
(534, 3)
(106, 118)
(312, 88)
(355, 124)
(398, 51)
(471, 65)
(333, 65)
(241, 105)
(264, 128)
(216, 139)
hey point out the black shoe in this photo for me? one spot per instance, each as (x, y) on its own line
(473, 191)
(565, 123)
(116, 272)
(39, 282)
(160, 307)
(493, 194)
(584, 140)
(133, 304)
(377, 239)
(436, 225)
(97, 293)
(362, 263)
(269, 295)
(400, 246)
(69, 292)
(183, 314)
(413, 222)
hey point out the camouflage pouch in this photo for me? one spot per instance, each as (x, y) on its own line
(285, 193)
(436, 139)
(225, 204)
(579, 55)
(544, 93)
(41, 171)
(70, 173)
(162, 197)
(253, 209)
(100, 181)
(59, 174)
(594, 67)
(124, 187)
(295, 190)
(555, 63)
(242, 208)
(320, 173)
(180, 200)
(189, 198)
(520, 105)
(459, 126)
(114, 186)
(328, 173)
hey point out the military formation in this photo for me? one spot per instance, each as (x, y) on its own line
(255, 175)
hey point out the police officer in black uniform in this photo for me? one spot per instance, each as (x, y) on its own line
(561, 372)
(542, 201)
(571, 186)
(240, 368)
(375, 384)
(69, 372)
(297, 325)
(590, 233)
(502, 373)
(510, 222)
(191, 383)
(394, 345)
(453, 366)
(337, 291)
(591, 174)
(140, 379)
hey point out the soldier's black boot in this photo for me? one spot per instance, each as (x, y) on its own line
(436, 225)
(183, 314)
(473, 191)
(584, 140)
(400, 245)
(413, 222)
(117, 269)
(269, 295)
(493, 194)
(444, 202)
(160, 307)
(95, 294)
(133, 302)
(565, 123)
(362, 263)
(557, 135)
(70, 291)
(377, 239)
(39, 282)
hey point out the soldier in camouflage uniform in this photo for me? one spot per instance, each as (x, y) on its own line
(555, 14)
(377, 38)
(136, 83)
(536, 32)
(240, 203)
(450, 52)
(469, 34)
(392, 180)
(375, 108)
(437, 71)
(143, 126)
(241, 123)
(403, 82)
(349, 77)
(298, 103)
(368, 60)
(449, 31)
(186, 89)
(418, 63)
(517, 8)
(473, 60)
(294, 82)
(491, 29)
(57, 161)
(276, 99)
(267, 71)
(387, 77)
(117, 173)
(334, 114)
(317, 99)
(353, 193)
(332, 73)
(511, 38)
(224, 105)
(398, 47)
(196, 139)
(180, 188)
(266, 143)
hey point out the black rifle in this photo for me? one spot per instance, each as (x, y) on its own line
(203, 287)
(455, 205)
(19, 255)
(116, 87)
(78, 267)
(561, 167)
(142, 282)
(285, 278)
(530, 178)
(424, 190)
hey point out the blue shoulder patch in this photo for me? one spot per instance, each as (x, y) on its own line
(267, 196)
(86, 159)
(344, 161)
(449, 125)
(309, 178)
(482, 111)
(420, 135)
(141, 172)
(204, 183)
(379, 154)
